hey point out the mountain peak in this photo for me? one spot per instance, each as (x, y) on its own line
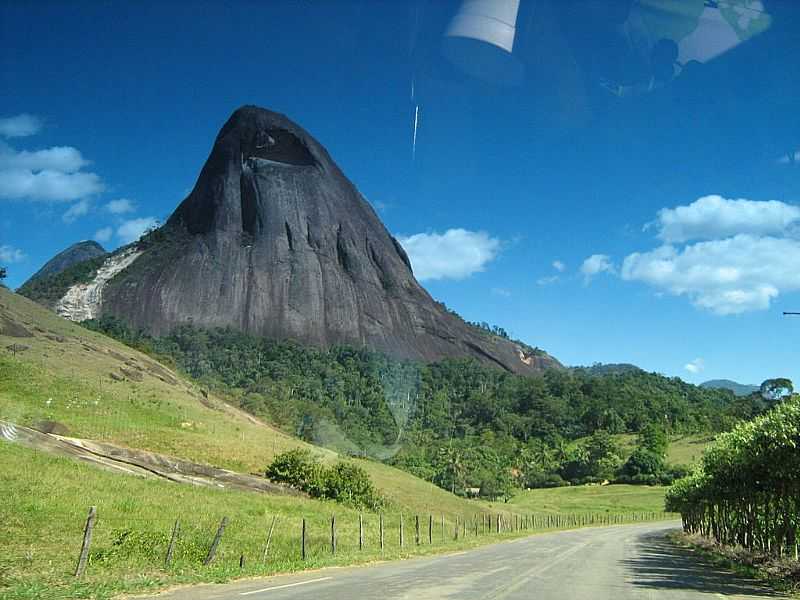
(275, 241)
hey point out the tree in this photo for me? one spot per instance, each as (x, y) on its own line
(775, 389)
(654, 439)
(3, 274)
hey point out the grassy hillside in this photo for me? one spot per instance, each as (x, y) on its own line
(45, 507)
(103, 390)
(682, 450)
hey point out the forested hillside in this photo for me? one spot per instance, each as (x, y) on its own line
(456, 423)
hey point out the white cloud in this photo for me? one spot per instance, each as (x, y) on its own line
(132, 230)
(714, 217)
(20, 125)
(9, 254)
(103, 235)
(48, 185)
(79, 209)
(727, 276)
(596, 264)
(454, 254)
(120, 206)
(547, 280)
(695, 366)
(52, 174)
(58, 158)
(559, 266)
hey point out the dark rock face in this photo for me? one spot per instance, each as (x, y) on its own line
(66, 258)
(275, 241)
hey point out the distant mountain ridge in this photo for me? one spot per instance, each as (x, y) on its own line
(739, 389)
(73, 255)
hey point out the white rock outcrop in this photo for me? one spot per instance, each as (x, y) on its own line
(82, 301)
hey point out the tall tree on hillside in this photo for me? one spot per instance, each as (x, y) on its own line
(775, 389)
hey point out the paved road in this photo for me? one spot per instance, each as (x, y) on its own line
(613, 563)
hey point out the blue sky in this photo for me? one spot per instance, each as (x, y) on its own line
(656, 226)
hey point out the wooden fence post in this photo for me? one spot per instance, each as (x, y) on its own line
(87, 541)
(360, 531)
(241, 561)
(443, 536)
(380, 527)
(303, 541)
(430, 529)
(455, 530)
(171, 548)
(212, 551)
(401, 530)
(416, 530)
(269, 539)
(333, 534)
(464, 527)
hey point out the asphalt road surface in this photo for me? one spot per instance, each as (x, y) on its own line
(632, 562)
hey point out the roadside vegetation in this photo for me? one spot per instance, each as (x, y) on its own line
(744, 495)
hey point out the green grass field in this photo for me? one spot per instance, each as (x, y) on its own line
(103, 390)
(619, 499)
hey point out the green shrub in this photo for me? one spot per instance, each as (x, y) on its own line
(344, 482)
(299, 469)
(350, 484)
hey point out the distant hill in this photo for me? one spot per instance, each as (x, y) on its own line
(62, 261)
(600, 369)
(740, 389)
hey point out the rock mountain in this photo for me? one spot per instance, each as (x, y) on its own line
(275, 241)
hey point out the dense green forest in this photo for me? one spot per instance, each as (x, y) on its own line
(457, 423)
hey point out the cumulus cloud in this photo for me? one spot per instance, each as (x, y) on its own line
(103, 235)
(454, 254)
(58, 158)
(9, 254)
(596, 264)
(727, 276)
(120, 206)
(21, 125)
(132, 230)
(559, 266)
(695, 366)
(751, 259)
(53, 174)
(77, 210)
(714, 217)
